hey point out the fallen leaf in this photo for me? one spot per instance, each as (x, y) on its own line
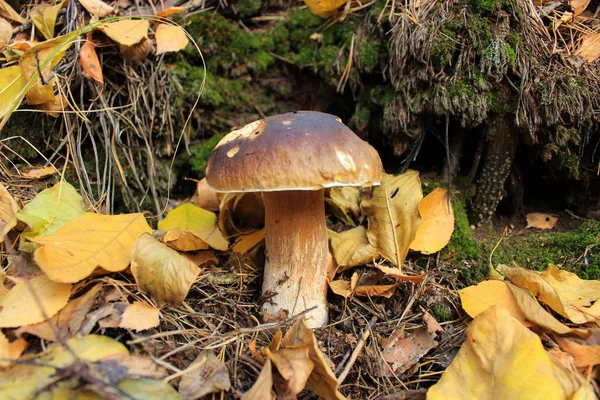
(169, 11)
(393, 213)
(397, 273)
(44, 18)
(432, 325)
(43, 58)
(10, 351)
(324, 8)
(32, 301)
(589, 47)
(247, 242)
(161, 271)
(321, 381)
(8, 12)
(263, 387)
(437, 223)
(55, 107)
(5, 33)
(294, 366)
(207, 198)
(351, 248)
(570, 379)
(561, 290)
(128, 31)
(8, 212)
(501, 359)
(579, 6)
(188, 217)
(136, 366)
(477, 299)
(346, 288)
(140, 316)
(39, 173)
(206, 374)
(241, 213)
(197, 239)
(541, 221)
(97, 7)
(12, 84)
(138, 53)
(90, 64)
(202, 259)
(400, 354)
(585, 356)
(344, 203)
(170, 38)
(76, 249)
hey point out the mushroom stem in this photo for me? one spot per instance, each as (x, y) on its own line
(296, 254)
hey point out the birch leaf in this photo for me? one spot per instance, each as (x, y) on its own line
(170, 38)
(351, 248)
(437, 223)
(128, 31)
(44, 17)
(188, 217)
(12, 84)
(8, 212)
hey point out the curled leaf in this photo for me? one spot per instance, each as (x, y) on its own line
(437, 223)
(8, 212)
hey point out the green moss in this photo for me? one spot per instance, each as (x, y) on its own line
(370, 54)
(359, 121)
(200, 154)
(462, 243)
(248, 8)
(442, 312)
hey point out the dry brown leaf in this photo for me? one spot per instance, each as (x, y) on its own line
(55, 107)
(437, 223)
(432, 325)
(347, 288)
(344, 203)
(589, 48)
(44, 18)
(563, 291)
(128, 31)
(584, 355)
(138, 53)
(135, 366)
(169, 11)
(39, 173)
(170, 38)
(263, 387)
(32, 301)
(322, 381)
(477, 299)
(207, 198)
(8, 212)
(5, 33)
(400, 354)
(393, 213)
(397, 273)
(90, 64)
(579, 6)
(198, 239)
(294, 366)
(97, 7)
(241, 213)
(161, 271)
(206, 374)
(6, 11)
(351, 248)
(247, 242)
(76, 249)
(202, 259)
(541, 221)
(140, 316)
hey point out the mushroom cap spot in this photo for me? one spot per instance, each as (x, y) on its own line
(303, 150)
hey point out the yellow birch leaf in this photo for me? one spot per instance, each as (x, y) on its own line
(351, 248)
(90, 64)
(170, 38)
(188, 217)
(567, 294)
(39, 173)
(541, 221)
(197, 239)
(12, 84)
(22, 305)
(207, 374)
(500, 359)
(127, 32)
(8, 212)
(393, 213)
(247, 242)
(97, 7)
(437, 223)
(161, 271)
(263, 387)
(8, 12)
(241, 213)
(92, 240)
(344, 203)
(324, 8)
(5, 33)
(140, 316)
(293, 365)
(44, 18)
(477, 299)
(321, 381)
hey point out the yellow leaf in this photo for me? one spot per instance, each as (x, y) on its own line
(437, 223)
(39, 173)
(140, 316)
(293, 365)
(501, 359)
(344, 203)
(10, 350)
(127, 32)
(43, 57)
(33, 301)
(324, 8)
(477, 299)
(241, 213)
(562, 291)
(541, 221)
(351, 248)
(188, 217)
(207, 374)
(197, 239)
(161, 271)
(92, 240)
(12, 84)
(247, 242)
(90, 64)
(8, 12)
(262, 388)
(8, 212)
(5, 33)
(322, 381)
(97, 7)
(393, 213)
(169, 11)
(44, 18)
(579, 6)
(170, 38)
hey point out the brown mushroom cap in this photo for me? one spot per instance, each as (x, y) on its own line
(303, 150)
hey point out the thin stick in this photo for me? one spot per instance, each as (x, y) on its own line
(361, 343)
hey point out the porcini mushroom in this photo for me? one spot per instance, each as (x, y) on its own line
(292, 158)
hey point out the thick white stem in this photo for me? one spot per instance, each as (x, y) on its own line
(296, 254)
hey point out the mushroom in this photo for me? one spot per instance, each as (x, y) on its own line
(291, 158)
